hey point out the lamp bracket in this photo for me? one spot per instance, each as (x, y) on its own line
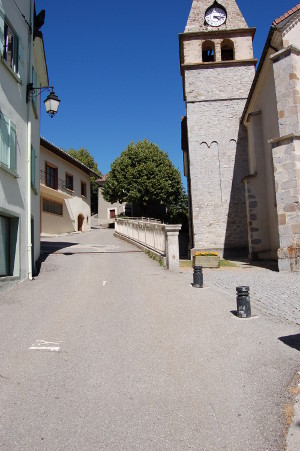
(31, 91)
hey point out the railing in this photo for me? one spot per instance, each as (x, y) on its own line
(153, 235)
(56, 183)
(147, 232)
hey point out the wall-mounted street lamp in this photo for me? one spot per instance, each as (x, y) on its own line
(52, 101)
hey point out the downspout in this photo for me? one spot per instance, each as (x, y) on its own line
(29, 80)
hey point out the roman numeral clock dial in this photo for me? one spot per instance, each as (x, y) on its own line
(215, 16)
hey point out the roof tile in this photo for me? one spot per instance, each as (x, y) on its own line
(287, 14)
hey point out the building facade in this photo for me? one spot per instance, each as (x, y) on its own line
(65, 192)
(107, 212)
(272, 119)
(242, 128)
(22, 61)
(217, 68)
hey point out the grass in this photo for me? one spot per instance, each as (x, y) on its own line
(227, 264)
(223, 264)
(155, 257)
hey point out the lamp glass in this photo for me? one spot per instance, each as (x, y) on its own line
(52, 103)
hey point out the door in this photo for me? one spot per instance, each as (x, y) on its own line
(80, 223)
(4, 246)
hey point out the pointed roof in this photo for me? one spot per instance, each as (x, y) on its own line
(286, 15)
(196, 21)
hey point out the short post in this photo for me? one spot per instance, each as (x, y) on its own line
(243, 302)
(172, 246)
(198, 277)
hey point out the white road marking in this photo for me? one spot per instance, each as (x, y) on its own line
(104, 282)
(45, 348)
(40, 346)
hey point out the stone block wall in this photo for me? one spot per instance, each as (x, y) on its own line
(286, 156)
(286, 65)
(218, 162)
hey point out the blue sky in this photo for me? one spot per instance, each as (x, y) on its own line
(115, 67)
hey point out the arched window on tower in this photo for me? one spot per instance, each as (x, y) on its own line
(227, 50)
(208, 52)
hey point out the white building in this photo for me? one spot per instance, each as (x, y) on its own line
(22, 61)
(107, 212)
(65, 191)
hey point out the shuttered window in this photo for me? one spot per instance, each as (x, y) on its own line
(8, 141)
(34, 93)
(52, 207)
(11, 47)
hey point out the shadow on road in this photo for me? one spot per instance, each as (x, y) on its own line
(48, 248)
(291, 340)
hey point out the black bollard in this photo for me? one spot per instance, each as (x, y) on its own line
(198, 277)
(243, 302)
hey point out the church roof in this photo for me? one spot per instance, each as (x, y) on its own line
(277, 25)
(286, 15)
(196, 20)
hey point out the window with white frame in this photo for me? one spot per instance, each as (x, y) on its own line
(8, 142)
(10, 48)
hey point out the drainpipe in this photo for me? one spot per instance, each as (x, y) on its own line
(29, 80)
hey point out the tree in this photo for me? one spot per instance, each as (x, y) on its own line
(144, 175)
(84, 156)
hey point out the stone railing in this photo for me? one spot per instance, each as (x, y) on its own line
(162, 239)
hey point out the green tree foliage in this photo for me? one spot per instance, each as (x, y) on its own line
(84, 156)
(144, 175)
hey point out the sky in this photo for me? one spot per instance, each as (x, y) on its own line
(115, 67)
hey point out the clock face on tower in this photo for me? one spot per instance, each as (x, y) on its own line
(215, 16)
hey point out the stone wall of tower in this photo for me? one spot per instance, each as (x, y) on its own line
(218, 161)
(218, 155)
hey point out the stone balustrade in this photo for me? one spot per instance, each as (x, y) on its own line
(162, 239)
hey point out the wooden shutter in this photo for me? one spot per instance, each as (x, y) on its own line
(34, 82)
(20, 58)
(33, 157)
(4, 140)
(1, 31)
(12, 146)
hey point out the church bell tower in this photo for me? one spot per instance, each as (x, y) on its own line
(217, 67)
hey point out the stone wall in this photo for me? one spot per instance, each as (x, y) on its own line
(286, 156)
(218, 162)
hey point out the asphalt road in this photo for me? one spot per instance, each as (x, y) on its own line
(106, 350)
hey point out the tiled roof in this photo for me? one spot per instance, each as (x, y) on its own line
(63, 154)
(286, 15)
(102, 179)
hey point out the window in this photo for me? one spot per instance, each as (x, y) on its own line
(10, 48)
(83, 189)
(51, 176)
(69, 182)
(208, 52)
(112, 214)
(227, 50)
(8, 141)
(52, 207)
(33, 171)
